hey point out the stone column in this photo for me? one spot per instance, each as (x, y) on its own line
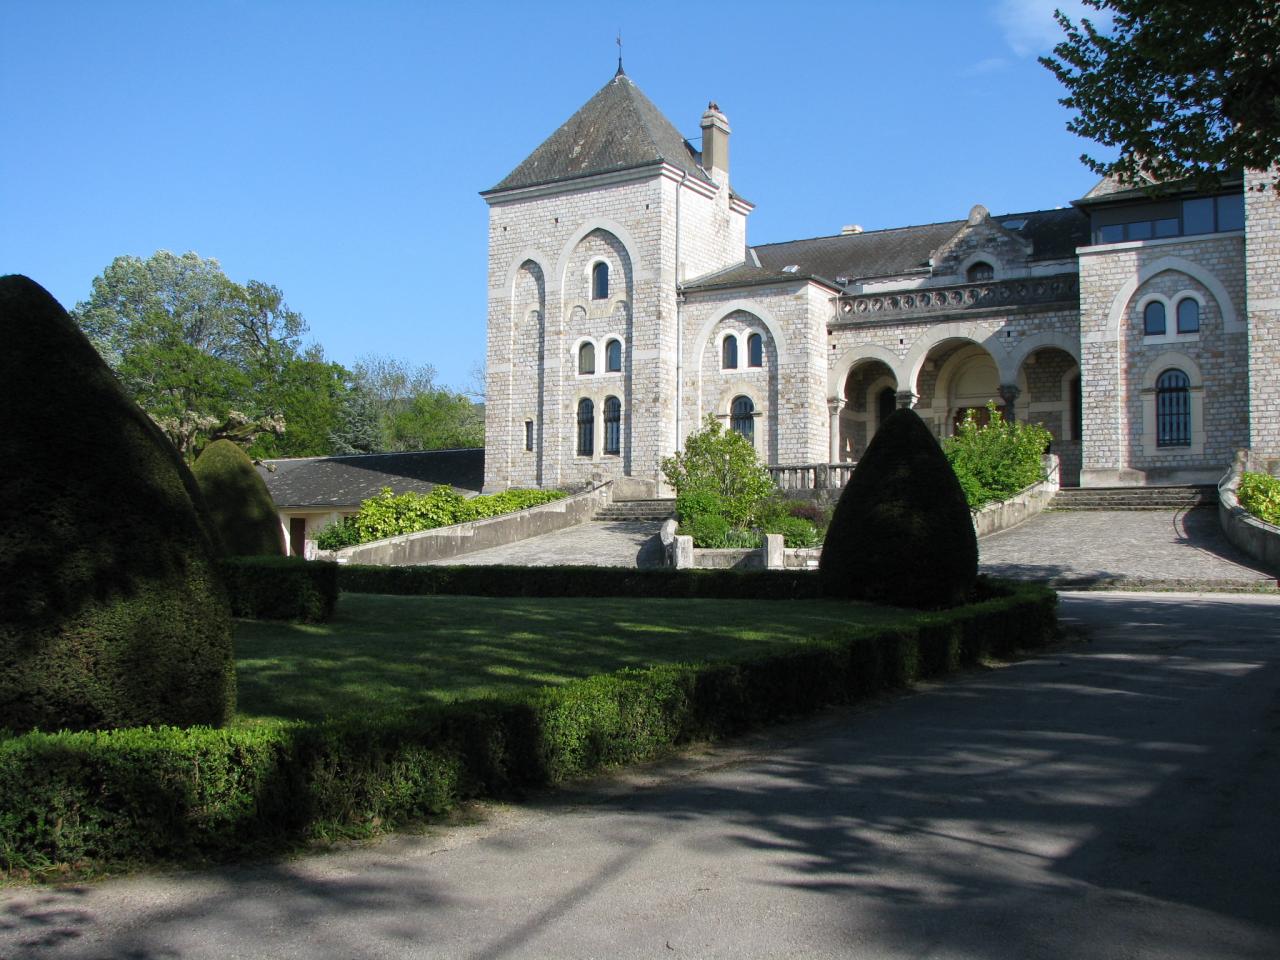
(1009, 394)
(834, 406)
(907, 399)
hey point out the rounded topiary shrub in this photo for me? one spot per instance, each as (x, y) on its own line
(240, 507)
(901, 533)
(112, 612)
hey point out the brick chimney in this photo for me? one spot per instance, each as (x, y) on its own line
(715, 144)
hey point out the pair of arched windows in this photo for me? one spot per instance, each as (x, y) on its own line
(729, 351)
(587, 427)
(1155, 324)
(612, 357)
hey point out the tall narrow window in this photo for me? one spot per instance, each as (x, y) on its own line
(1153, 319)
(600, 281)
(1188, 316)
(742, 417)
(981, 272)
(587, 358)
(729, 353)
(1173, 409)
(586, 427)
(612, 426)
(613, 356)
(755, 350)
(528, 434)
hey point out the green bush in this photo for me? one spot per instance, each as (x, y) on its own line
(1259, 493)
(125, 796)
(391, 515)
(281, 588)
(902, 532)
(240, 507)
(112, 610)
(719, 473)
(995, 461)
(796, 531)
(341, 533)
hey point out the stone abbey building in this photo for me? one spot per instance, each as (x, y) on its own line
(625, 304)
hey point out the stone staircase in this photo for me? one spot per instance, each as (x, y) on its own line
(631, 510)
(1136, 498)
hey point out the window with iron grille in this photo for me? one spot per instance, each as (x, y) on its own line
(612, 426)
(742, 417)
(1173, 409)
(586, 427)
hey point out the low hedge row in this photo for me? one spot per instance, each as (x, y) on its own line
(281, 588)
(168, 794)
(580, 582)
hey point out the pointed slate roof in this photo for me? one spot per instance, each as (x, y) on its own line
(617, 129)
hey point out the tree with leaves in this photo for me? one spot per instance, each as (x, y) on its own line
(206, 357)
(413, 413)
(1183, 88)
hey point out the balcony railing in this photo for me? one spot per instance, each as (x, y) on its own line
(812, 476)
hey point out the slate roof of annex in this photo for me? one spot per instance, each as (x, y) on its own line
(617, 129)
(896, 252)
(346, 481)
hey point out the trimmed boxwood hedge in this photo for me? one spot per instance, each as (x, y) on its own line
(281, 588)
(239, 505)
(166, 794)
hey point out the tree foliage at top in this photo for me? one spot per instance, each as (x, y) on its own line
(1183, 88)
(995, 460)
(193, 348)
(719, 473)
(411, 411)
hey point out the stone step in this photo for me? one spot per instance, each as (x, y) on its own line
(638, 510)
(1136, 498)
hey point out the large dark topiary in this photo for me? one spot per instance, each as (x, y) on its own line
(112, 612)
(902, 533)
(240, 507)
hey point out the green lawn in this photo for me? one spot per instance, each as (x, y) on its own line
(384, 651)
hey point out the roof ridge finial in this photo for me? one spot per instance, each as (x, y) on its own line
(621, 72)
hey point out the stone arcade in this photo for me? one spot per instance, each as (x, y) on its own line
(625, 305)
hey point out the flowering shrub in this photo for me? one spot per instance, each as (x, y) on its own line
(1259, 493)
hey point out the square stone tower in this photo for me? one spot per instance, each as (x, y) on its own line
(589, 238)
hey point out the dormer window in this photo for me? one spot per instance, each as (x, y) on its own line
(600, 281)
(981, 272)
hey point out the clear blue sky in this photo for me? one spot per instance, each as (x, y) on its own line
(336, 150)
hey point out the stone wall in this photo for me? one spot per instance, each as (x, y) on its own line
(1262, 261)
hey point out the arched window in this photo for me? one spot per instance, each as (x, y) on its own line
(742, 417)
(587, 358)
(886, 403)
(729, 353)
(1188, 316)
(1153, 319)
(612, 426)
(1173, 409)
(755, 350)
(586, 427)
(613, 356)
(600, 281)
(980, 272)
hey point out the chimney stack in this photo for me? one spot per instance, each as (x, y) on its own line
(715, 144)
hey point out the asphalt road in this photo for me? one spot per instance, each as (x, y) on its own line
(1111, 799)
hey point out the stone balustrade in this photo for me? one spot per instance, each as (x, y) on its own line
(812, 476)
(927, 300)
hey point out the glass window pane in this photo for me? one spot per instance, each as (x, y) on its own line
(1231, 212)
(1167, 228)
(755, 350)
(1112, 233)
(729, 353)
(587, 358)
(613, 357)
(586, 427)
(600, 281)
(1188, 316)
(1138, 231)
(1153, 319)
(1197, 215)
(741, 417)
(612, 425)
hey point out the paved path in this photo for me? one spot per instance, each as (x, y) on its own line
(1167, 548)
(1113, 799)
(604, 543)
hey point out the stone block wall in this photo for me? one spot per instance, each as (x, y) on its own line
(1262, 262)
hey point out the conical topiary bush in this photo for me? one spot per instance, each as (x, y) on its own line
(901, 533)
(240, 507)
(112, 612)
